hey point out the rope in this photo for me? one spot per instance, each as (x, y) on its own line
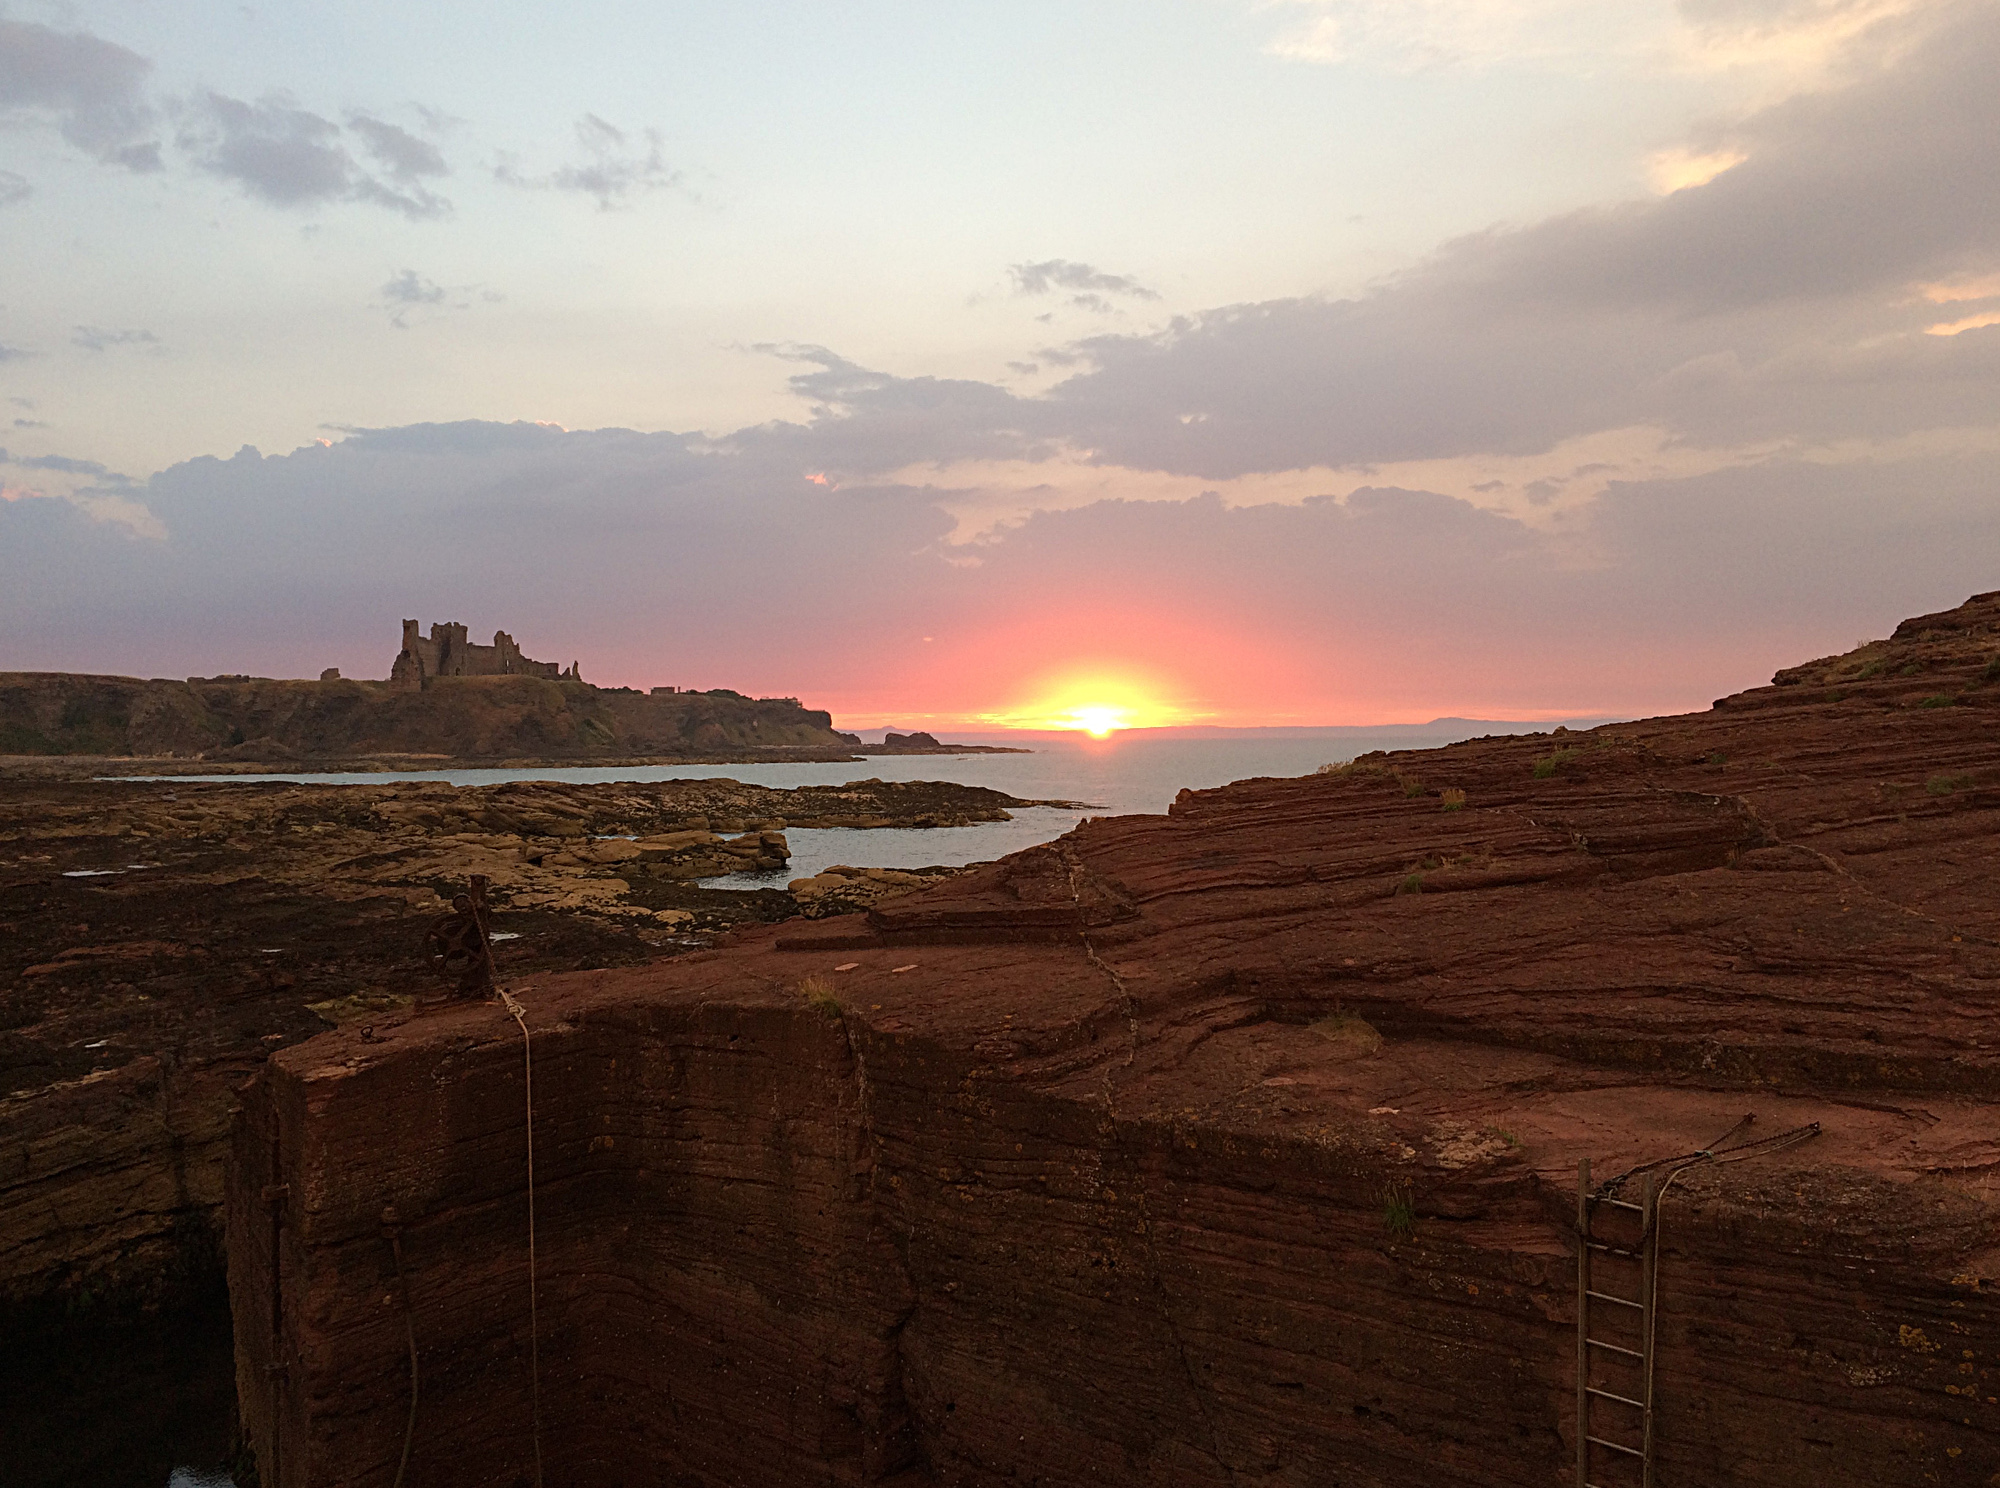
(520, 1015)
(1716, 1152)
(410, 1331)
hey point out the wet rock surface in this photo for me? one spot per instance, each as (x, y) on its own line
(1232, 1145)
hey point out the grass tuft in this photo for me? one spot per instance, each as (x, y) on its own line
(1939, 700)
(1399, 1214)
(818, 993)
(1453, 799)
(1362, 764)
(1548, 764)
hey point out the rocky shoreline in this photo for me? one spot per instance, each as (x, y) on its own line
(162, 939)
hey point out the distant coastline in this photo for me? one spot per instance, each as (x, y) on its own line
(211, 725)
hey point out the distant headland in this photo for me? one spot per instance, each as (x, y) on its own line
(447, 700)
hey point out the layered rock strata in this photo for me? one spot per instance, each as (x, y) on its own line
(1236, 1145)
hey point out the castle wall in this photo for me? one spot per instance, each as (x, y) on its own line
(447, 653)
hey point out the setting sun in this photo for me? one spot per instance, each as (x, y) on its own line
(1094, 702)
(1098, 721)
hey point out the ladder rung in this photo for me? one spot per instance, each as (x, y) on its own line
(1607, 1395)
(1617, 1250)
(1616, 1447)
(1628, 1353)
(1621, 1301)
(1621, 1204)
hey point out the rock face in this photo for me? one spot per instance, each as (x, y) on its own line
(463, 717)
(1236, 1145)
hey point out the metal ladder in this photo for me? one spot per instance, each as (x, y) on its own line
(1614, 1335)
(1615, 1329)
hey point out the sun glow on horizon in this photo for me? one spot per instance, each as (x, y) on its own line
(1097, 703)
(1098, 721)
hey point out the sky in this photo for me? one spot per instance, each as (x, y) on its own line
(1216, 361)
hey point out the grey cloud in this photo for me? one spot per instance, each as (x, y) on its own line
(409, 295)
(1088, 285)
(615, 168)
(402, 154)
(11, 353)
(91, 89)
(21, 423)
(64, 465)
(277, 151)
(867, 421)
(96, 338)
(408, 287)
(291, 157)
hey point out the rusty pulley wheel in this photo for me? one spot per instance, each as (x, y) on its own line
(453, 944)
(456, 945)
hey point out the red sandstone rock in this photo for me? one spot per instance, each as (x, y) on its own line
(1236, 1145)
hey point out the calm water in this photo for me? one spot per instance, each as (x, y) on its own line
(1133, 772)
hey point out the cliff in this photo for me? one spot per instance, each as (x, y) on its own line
(491, 718)
(1235, 1145)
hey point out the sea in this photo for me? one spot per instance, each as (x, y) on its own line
(1132, 771)
(1138, 770)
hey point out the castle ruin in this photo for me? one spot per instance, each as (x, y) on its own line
(447, 653)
